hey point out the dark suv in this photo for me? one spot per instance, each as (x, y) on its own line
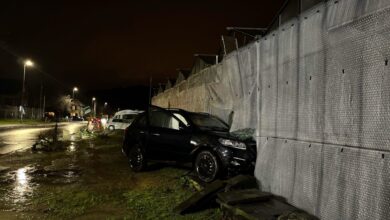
(178, 135)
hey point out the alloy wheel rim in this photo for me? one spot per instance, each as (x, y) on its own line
(136, 158)
(206, 167)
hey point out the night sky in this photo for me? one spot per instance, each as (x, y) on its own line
(109, 49)
(107, 44)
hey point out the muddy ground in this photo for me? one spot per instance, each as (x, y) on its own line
(87, 177)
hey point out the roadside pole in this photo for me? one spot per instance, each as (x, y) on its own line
(43, 106)
(150, 91)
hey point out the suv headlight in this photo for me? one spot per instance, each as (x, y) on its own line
(231, 143)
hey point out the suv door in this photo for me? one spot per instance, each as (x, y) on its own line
(137, 133)
(128, 119)
(167, 136)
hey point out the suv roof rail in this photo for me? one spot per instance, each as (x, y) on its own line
(175, 109)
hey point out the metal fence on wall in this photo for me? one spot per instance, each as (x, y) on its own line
(317, 90)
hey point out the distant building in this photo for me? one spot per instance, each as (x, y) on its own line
(76, 108)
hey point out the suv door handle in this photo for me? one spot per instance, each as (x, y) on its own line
(141, 132)
(156, 134)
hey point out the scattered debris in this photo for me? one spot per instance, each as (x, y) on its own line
(48, 141)
(269, 209)
(195, 183)
(241, 182)
(207, 194)
(240, 198)
(243, 196)
(43, 144)
(201, 199)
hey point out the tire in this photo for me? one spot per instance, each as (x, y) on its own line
(137, 159)
(207, 166)
(111, 128)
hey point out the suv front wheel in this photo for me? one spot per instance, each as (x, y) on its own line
(207, 166)
(137, 159)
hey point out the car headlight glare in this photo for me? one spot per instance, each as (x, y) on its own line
(232, 143)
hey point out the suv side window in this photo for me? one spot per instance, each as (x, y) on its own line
(181, 118)
(128, 118)
(163, 120)
(141, 122)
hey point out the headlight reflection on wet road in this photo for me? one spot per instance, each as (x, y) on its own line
(72, 147)
(22, 186)
(20, 139)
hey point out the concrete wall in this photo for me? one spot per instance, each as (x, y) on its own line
(317, 90)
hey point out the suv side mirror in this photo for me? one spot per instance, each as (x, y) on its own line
(183, 127)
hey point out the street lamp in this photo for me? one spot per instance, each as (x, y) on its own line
(94, 106)
(105, 108)
(26, 64)
(75, 89)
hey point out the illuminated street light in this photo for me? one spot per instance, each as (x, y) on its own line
(26, 64)
(105, 107)
(75, 89)
(94, 106)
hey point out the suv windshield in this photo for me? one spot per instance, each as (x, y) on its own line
(208, 122)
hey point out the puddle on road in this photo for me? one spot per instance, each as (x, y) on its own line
(18, 186)
(71, 147)
(33, 181)
(61, 176)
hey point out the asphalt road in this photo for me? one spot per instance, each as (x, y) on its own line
(23, 138)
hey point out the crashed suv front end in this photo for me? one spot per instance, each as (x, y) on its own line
(237, 156)
(238, 160)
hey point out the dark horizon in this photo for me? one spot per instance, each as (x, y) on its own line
(98, 46)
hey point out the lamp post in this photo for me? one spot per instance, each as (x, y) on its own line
(94, 106)
(75, 89)
(105, 107)
(21, 109)
(26, 64)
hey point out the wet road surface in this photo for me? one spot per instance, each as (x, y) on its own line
(23, 138)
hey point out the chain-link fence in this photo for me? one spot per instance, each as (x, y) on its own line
(12, 112)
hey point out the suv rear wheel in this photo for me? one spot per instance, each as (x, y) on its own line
(207, 166)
